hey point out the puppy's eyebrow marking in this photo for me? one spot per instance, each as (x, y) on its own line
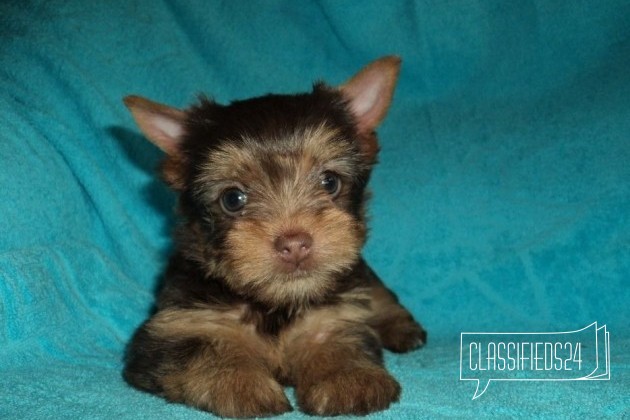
(323, 147)
(284, 162)
(228, 162)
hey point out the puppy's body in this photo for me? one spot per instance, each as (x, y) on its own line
(267, 286)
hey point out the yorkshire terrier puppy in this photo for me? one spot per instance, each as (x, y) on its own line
(267, 287)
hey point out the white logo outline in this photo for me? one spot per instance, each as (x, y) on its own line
(605, 376)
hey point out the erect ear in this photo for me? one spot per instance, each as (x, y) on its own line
(161, 124)
(370, 92)
(164, 126)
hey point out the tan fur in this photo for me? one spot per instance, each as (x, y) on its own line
(302, 153)
(223, 390)
(173, 173)
(330, 366)
(251, 263)
(323, 354)
(398, 330)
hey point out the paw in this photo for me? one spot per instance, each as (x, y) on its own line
(356, 391)
(403, 335)
(239, 393)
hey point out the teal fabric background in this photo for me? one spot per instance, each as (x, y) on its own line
(501, 203)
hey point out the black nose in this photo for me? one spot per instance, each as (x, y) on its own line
(294, 248)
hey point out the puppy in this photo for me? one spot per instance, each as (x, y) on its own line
(266, 287)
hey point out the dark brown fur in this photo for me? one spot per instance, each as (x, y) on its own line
(233, 323)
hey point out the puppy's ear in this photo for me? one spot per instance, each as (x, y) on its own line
(369, 94)
(161, 124)
(164, 126)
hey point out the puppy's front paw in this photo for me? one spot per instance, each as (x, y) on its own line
(240, 393)
(356, 391)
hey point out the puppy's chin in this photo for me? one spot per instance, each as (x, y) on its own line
(254, 267)
(276, 286)
(287, 291)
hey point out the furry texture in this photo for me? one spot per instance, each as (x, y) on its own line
(267, 285)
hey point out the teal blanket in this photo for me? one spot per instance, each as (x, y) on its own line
(501, 203)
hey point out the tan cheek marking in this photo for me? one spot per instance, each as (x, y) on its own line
(251, 261)
(338, 235)
(336, 242)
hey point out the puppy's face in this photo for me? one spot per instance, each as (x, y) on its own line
(272, 188)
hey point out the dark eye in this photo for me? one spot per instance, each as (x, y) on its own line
(233, 200)
(330, 183)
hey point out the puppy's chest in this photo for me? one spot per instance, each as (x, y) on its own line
(311, 322)
(270, 324)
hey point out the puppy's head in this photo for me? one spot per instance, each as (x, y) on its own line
(272, 188)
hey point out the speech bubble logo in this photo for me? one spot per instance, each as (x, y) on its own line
(578, 355)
